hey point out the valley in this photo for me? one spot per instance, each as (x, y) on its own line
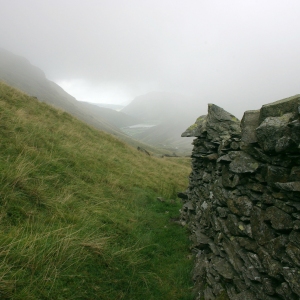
(155, 108)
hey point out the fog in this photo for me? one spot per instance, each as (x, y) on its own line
(236, 54)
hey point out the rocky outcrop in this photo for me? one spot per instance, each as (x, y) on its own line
(242, 205)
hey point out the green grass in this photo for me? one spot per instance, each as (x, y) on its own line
(79, 217)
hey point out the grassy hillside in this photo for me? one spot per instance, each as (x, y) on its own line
(79, 217)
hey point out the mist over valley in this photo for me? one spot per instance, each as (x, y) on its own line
(126, 172)
(156, 119)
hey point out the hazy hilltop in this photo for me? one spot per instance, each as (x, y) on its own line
(18, 72)
(116, 107)
(113, 117)
(171, 113)
(161, 106)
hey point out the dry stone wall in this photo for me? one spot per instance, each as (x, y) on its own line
(242, 205)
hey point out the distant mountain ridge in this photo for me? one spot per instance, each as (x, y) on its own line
(172, 112)
(116, 107)
(18, 72)
(157, 106)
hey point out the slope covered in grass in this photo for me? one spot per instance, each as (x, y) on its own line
(79, 217)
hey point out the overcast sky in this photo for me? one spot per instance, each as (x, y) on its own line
(238, 54)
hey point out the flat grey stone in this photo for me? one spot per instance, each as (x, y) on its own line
(279, 219)
(196, 129)
(249, 123)
(273, 133)
(280, 107)
(289, 186)
(243, 163)
(292, 276)
(221, 124)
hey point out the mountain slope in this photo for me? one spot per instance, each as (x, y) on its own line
(18, 72)
(167, 135)
(79, 215)
(157, 106)
(172, 112)
(116, 107)
(115, 118)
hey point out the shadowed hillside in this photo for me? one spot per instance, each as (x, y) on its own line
(79, 214)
